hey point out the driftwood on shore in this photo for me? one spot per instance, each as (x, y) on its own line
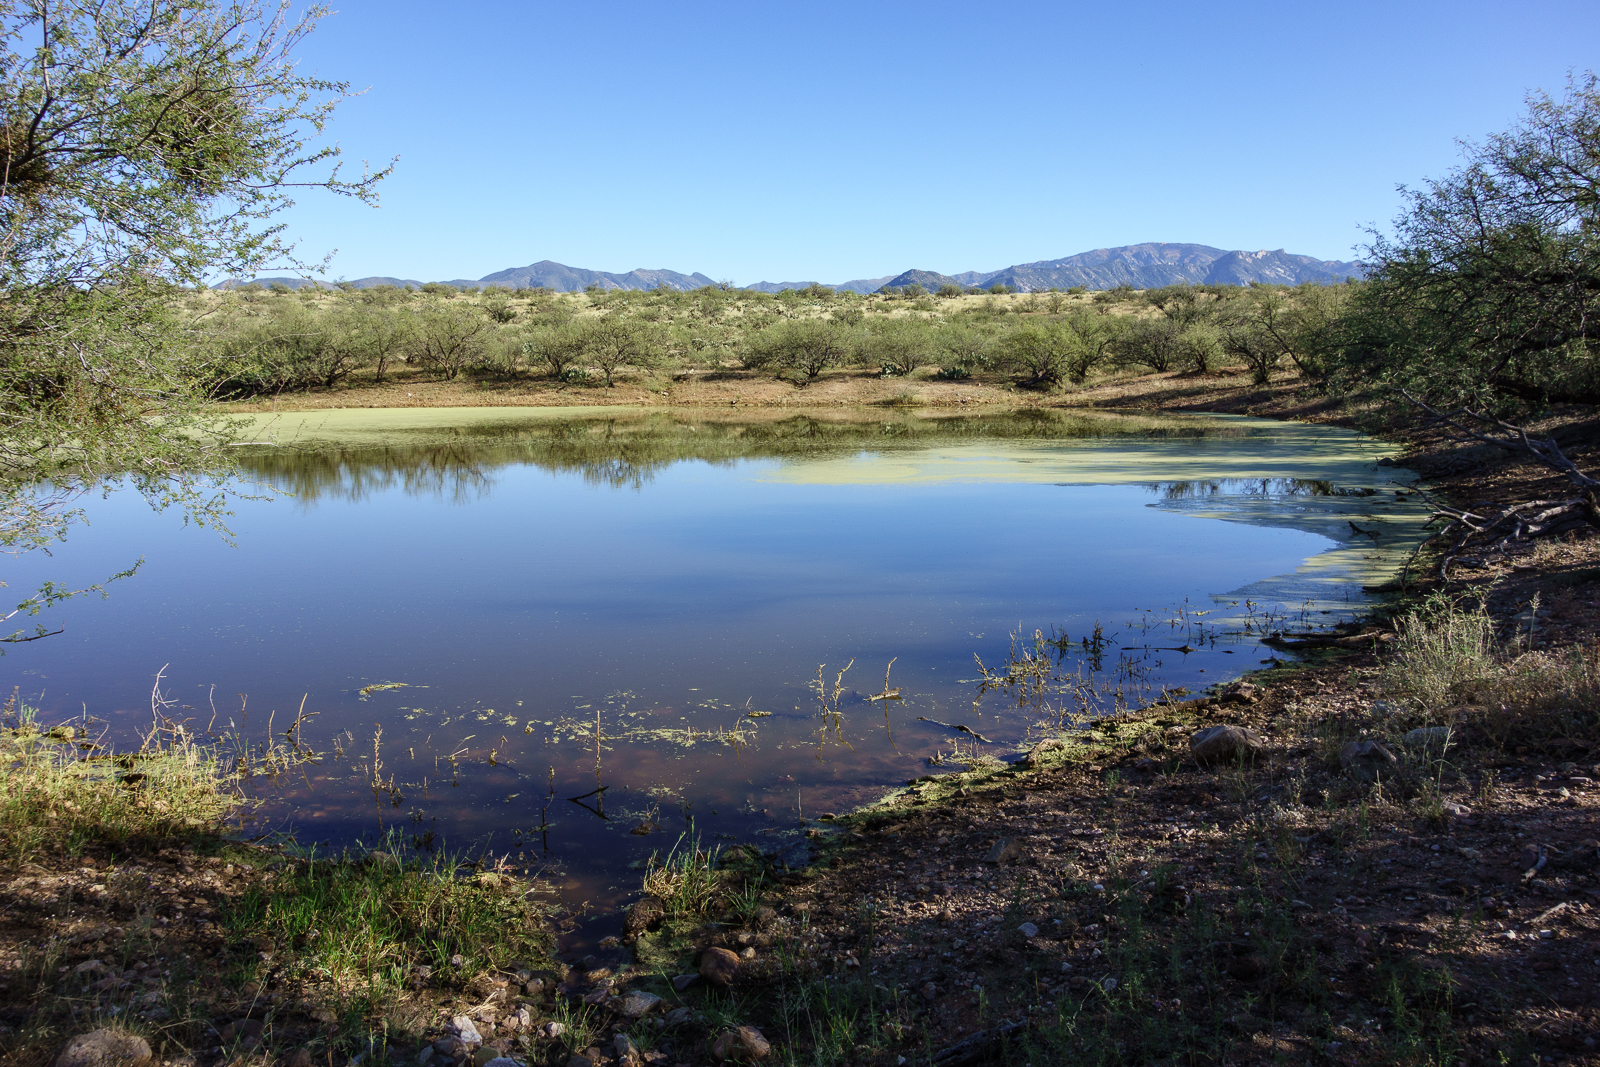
(1488, 528)
(1365, 639)
(977, 1048)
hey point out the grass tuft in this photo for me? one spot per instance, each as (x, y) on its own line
(367, 923)
(61, 791)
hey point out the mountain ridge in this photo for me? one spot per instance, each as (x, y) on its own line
(1149, 265)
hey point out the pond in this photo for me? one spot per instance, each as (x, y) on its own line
(565, 637)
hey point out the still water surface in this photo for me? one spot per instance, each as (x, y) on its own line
(531, 577)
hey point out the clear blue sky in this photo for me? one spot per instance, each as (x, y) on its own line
(834, 141)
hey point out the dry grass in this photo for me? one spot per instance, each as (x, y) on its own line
(60, 791)
(1449, 663)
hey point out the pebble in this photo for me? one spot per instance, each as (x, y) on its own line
(463, 1028)
(1427, 736)
(638, 1004)
(1006, 850)
(103, 1048)
(240, 1030)
(683, 982)
(1028, 930)
(1216, 744)
(743, 1045)
(676, 1017)
(1367, 761)
(719, 966)
(554, 1030)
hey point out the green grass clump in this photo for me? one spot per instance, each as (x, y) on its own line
(367, 922)
(685, 880)
(60, 792)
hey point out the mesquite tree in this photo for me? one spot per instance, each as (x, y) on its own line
(145, 145)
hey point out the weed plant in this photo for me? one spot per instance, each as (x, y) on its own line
(685, 880)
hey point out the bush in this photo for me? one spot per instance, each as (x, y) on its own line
(898, 346)
(802, 348)
(1440, 647)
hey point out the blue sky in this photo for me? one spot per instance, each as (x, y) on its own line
(822, 141)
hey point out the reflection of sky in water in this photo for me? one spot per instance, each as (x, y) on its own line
(518, 599)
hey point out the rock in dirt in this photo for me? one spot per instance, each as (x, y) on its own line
(463, 1028)
(646, 913)
(1220, 744)
(683, 982)
(554, 1030)
(1455, 810)
(638, 1004)
(1007, 850)
(1028, 930)
(1367, 761)
(796, 857)
(240, 1030)
(301, 1057)
(719, 966)
(1239, 693)
(627, 1052)
(742, 1045)
(1427, 737)
(103, 1048)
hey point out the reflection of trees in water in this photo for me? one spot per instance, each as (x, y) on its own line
(1192, 490)
(452, 473)
(627, 453)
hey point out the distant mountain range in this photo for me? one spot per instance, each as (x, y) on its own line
(1143, 266)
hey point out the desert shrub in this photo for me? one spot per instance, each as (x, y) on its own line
(898, 346)
(800, 348)
(1441, 647)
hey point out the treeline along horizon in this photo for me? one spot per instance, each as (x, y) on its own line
(252, 341)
